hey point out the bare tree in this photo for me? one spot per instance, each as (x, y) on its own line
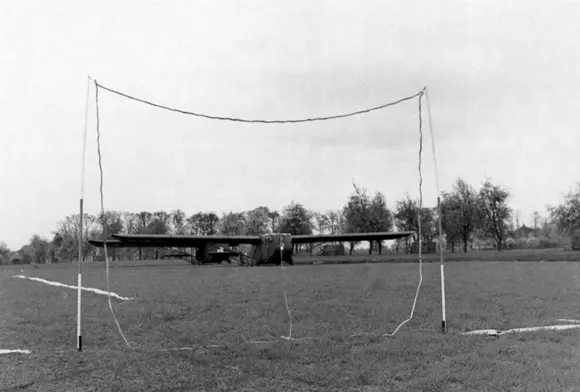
(336, 223)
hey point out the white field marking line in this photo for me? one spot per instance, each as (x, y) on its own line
(569, 320)
(57, 284)
(495, 332)
(14, 352)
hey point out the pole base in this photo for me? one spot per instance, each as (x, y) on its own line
(79, 343)
(443, 326)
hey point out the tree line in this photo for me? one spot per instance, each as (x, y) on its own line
(483, 214)
(467, 214)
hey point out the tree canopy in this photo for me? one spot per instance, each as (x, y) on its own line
(495, 212)
(364, 214)
(567, 214)
(461, 214)
(468, 215)
(295, 219)
(407, 218)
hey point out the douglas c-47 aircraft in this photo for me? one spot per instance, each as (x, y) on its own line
(264, 249)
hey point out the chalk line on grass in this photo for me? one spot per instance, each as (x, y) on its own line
(495, 332)
(57, 284)
(14, 351)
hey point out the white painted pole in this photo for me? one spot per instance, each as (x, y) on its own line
(443, 315)
(80, 255)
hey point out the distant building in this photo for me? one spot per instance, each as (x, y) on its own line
(525, 231)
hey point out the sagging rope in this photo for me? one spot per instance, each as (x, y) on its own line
(285, 281)
(419, 212)
(103, 220)
(107, 267)
(288, 309)
(234, 119)
(289, 337)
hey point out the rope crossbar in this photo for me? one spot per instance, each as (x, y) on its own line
(419, 212)
(234, 119)
(107, 266)
(103, 221)
(289, 337)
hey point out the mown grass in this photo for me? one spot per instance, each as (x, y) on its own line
(180, 305)
(479, 256)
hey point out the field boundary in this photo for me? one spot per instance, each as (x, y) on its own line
(90, 289)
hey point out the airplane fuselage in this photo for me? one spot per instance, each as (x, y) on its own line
(272, 249)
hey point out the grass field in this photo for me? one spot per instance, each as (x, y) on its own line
(179, 305)
(488, 255)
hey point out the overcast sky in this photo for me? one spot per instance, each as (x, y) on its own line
(502, 79)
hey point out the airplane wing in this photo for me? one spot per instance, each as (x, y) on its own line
(110, 243)
(312, 238)
(178, 241)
